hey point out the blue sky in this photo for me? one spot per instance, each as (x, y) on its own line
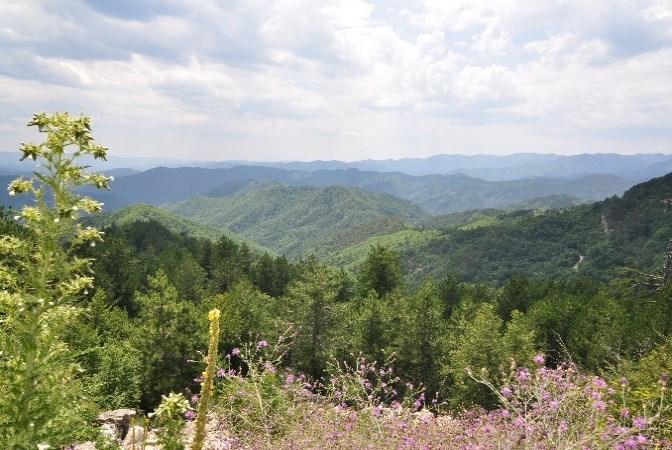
(351, 79)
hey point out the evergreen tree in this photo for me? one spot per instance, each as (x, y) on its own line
(422, 336)
(380, 272)
(450, 293)
(315, 307)
(168, 335)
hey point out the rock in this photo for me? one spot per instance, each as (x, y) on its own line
(188, 432)
(135, 436)
(109, 431)
(88, 445)
(137, 440)
(120, 419)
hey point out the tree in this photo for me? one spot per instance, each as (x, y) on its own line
(380, 272)
(518, 294)
(480, 342)
(450, 293)
(247, 315)
(314, 304)
(118, 272)
(422, 336)
(168, 335)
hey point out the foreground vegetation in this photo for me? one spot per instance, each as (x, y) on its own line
(311, 355)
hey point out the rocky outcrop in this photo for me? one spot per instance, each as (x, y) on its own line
(116, 423)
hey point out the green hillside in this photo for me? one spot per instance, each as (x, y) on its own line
(490, 246)
(174, 223)
(296, 221)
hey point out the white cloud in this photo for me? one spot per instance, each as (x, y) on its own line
(346, 79)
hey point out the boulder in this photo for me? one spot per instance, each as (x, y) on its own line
(88, 445)
(136, 439)
(119, 421)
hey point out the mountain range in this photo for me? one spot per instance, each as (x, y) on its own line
(436, 194)
(638, 167)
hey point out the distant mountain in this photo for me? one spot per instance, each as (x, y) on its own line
(597, 239)
(436, 193)
(494, 167)
(9, 162)
(120, 172)
(637, 167)
(298, 221)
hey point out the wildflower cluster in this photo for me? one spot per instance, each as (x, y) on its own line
(254, 398)
(371, 386)
(562, 407)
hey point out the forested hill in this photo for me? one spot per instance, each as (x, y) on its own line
(599, 239)
(436, 193)
(297, 221)
(172, 222)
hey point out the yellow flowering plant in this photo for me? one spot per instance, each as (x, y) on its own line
(208, 380)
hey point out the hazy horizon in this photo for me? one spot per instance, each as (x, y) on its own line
(346, 80)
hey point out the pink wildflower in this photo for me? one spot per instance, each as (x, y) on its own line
(539, 359)
(599, 405)
(599, 383)
(639, 422)
(523, 374)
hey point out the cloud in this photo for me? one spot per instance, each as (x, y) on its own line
(298, 79)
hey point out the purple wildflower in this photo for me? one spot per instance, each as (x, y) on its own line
(523, 374)
(599, 405)
(639, 422)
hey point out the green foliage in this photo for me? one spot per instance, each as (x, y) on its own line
(315, 307)
(247, 314)
(297, 221)
(258, 400)
(169, 420)
(40, 399)
(588, 329)
(480, 343)
(373, 323)
(493, 246)
(117, 382)
(380, 272)
(422, 337)
(148, 213)
(168, 335)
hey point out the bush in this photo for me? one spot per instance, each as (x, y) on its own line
(118, 380)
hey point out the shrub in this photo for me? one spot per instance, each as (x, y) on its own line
(117, 382)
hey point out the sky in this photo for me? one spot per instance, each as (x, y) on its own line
(348, 80)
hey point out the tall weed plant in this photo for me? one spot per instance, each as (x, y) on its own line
(42, 282)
